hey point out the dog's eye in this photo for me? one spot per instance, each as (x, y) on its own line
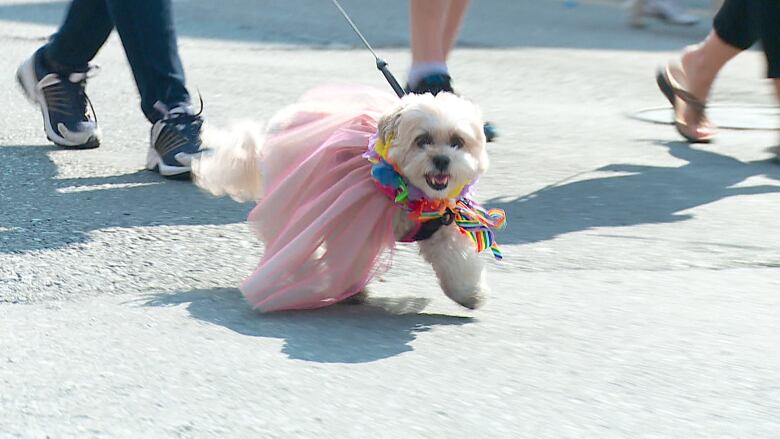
(423, 140)
(457, 142)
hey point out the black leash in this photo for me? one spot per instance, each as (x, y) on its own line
(380, 63)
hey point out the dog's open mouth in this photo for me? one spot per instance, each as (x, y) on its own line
(437, 181)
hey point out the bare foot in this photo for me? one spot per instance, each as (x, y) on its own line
(693, 76)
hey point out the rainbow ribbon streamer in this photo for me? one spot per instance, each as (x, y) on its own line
(478, 224)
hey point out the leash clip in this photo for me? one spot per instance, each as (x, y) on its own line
(447, 217)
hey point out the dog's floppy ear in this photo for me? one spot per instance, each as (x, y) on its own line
(388, 123)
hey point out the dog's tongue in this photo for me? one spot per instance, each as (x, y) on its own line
(441, 179)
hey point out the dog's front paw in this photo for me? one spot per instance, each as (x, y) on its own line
(471, 298)
(473, 302)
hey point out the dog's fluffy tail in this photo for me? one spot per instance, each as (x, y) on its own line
(231, 164)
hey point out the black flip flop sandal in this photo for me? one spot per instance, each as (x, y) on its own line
(672, 92)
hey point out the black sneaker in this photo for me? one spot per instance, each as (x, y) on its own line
(434, 84)
(175, 141)
(68, 117)
(441, 82)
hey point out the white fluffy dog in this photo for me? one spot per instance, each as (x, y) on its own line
(438, 146)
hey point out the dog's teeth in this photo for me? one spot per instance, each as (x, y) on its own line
(438, 181)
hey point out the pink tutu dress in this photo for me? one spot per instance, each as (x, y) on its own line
(327, 229)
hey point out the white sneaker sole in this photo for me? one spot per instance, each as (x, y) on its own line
(155, 163)
(25, 77)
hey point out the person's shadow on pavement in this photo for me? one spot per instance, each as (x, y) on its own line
(378, 329)
(39, 211)
(647, 194)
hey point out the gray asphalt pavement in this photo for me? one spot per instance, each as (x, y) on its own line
(638, 296)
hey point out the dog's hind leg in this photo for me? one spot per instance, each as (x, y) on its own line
(461, 272)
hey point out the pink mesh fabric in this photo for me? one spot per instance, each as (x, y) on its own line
(324, 223)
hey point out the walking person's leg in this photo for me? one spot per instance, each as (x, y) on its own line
(86, 28)
(55, 76)
(429, 63)
(435, 25)
(434, 30)
(452, 21)
(768, 17)
(700, 65)
(734, 30)
(148, 36)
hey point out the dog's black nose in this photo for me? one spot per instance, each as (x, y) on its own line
(441, 162)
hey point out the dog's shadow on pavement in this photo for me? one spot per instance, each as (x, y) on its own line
(40, 210)
(375, 330)
(635, 194)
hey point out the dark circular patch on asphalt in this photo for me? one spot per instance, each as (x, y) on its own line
(727, 116)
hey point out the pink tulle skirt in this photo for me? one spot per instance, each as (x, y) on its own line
(327, 229)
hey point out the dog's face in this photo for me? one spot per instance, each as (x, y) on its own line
(438, 142)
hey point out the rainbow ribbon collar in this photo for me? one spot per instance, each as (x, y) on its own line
(471, 219)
